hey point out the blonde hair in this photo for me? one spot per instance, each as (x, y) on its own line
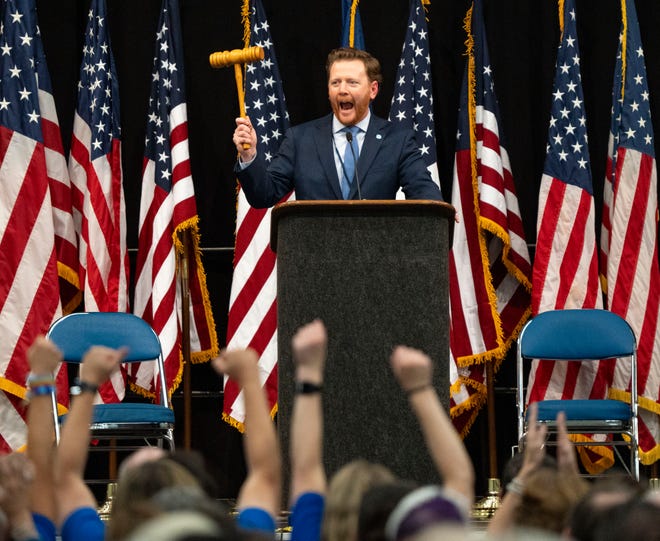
(548, 498)
(132, 504)
(345, 491)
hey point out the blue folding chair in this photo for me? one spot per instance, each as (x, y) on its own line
(129, 425)
(583, 335)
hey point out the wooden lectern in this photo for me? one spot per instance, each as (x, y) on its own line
(376, 273)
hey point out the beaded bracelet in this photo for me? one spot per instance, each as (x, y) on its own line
(515, 486)
(35, 380)
(40, 390)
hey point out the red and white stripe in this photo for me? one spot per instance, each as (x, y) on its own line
(157, 295)
(29, 295)
(100, 217)
(565, 276)
(66, 243)
(252, 320)
(489, 268)
(633, 282)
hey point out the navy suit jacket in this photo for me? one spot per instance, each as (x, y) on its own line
(389, 159)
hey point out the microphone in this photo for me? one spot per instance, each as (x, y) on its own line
(349, 138)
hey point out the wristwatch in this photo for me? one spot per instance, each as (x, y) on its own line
(306, 387)
(83, 387)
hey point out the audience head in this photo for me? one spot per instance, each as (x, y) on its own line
(514, 464)
(425, 508)
(377, 504)
(634, 520)
(548, 499)
(603, 495)
(138, 490)
(345, 491)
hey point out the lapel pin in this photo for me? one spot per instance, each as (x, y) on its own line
(379, 136)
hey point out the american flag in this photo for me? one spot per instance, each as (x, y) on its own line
(412, 101)
(351, 34)
(96, 176)
(629, 241)
(489, 265)
(66, 243)
(566, 260)
(252, 318)
(168, 209)
(29, 292)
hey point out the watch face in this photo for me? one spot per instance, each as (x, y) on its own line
(75, 390)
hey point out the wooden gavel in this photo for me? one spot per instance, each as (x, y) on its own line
(237, 57)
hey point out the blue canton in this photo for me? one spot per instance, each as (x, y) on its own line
(567, 150)
(98, 88)
(19, 92)
(412, 102)
(167, 92)
(264, 97)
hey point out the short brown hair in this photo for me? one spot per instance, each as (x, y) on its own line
(371, 64)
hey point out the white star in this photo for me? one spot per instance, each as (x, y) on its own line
(634, 106)
(162, 157)
(569, 41)
(6, 50)
(33, 116)
(577, 102)
(96, 144)
(630, 133)
(26, 39)
(424, 149)
(16, 17)
(558, 94)
(570, 129)
(401, 115)
(564, 67)
(25, 94)
(401, 98)
(639, 79)
(3, 104)
(582, 163)
(557, 139)
(100, 126)
(577, 147)
(166, 174)
(15, 71)
(562, 156)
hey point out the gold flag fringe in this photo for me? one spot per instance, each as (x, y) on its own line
(351, 31)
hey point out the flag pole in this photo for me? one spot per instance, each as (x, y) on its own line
(184, 236)
(486, 507)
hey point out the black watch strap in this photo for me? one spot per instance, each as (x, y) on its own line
(306, 387)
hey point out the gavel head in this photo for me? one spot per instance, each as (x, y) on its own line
(222, 59)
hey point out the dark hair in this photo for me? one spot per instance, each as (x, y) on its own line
(636, 520)
(604, 495)
(371, 64)
(377, 504)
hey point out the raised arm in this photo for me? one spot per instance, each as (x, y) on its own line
(43, 357)
(413, 370)
(263, 485)
(309, 348)
(72, 492)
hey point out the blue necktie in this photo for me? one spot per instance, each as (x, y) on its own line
(348, 166)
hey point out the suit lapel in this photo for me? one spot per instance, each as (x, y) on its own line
(325, 145)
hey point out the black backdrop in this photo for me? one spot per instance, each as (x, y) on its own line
(523, 36)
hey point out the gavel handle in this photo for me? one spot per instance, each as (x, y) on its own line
(238, 75)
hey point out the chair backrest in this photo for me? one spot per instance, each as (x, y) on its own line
(582, 334)
(76, 333)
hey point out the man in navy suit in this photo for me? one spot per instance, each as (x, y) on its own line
(314, 158)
